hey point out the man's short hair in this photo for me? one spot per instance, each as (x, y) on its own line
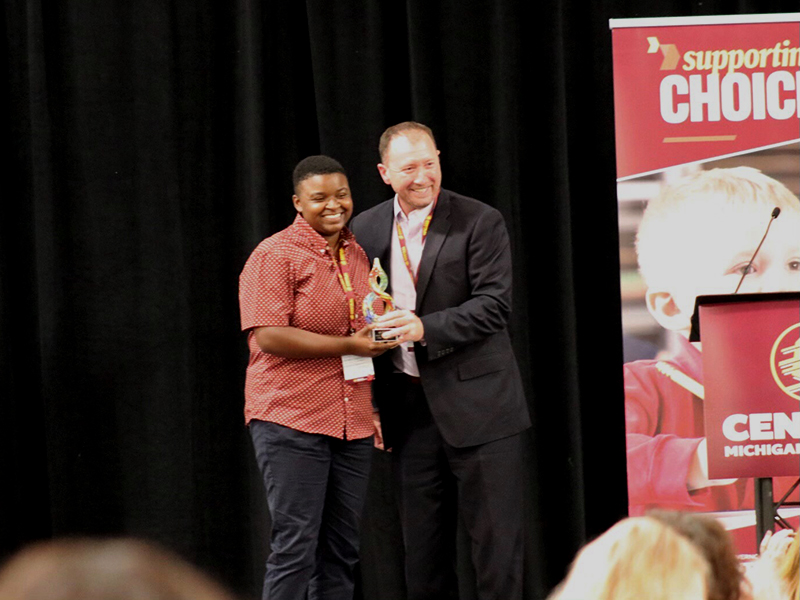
(399, 129)
(686, 210)
(315, 165)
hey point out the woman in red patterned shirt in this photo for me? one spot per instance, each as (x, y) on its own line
(308, 400)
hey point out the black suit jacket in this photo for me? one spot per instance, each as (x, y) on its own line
(467, 366)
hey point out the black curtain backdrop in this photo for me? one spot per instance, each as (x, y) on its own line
(148, 147)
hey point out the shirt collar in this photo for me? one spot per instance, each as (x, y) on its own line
(309, 237)
(420, 213)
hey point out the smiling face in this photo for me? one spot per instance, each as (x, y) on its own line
(324, 201)
(411, 166)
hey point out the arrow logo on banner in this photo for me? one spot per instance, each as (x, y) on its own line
(670, 52)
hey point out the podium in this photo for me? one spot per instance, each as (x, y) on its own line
(751, 374)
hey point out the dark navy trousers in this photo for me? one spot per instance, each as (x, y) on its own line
(435, 482)
(316, 486)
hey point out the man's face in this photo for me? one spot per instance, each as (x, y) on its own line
(719, 257)
(411, 166)
(324, 202)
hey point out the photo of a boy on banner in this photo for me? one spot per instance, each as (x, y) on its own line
(696, 238)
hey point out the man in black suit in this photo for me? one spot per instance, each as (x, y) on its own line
(450, 398)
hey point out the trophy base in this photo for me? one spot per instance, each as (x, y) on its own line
(377, 335)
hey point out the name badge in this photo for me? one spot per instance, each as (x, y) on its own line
(358, 368)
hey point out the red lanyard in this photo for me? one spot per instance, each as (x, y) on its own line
(401, 238)
(343, 272)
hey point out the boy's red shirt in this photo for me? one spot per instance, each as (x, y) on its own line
(664, 426)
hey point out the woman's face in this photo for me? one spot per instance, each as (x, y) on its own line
(325, 203)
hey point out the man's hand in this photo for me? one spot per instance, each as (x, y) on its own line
(362, 344)
(404, 326)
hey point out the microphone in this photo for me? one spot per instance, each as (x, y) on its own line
(775, 212)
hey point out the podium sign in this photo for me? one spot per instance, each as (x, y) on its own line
(751, 370)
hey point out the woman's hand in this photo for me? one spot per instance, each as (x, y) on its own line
(363, 344)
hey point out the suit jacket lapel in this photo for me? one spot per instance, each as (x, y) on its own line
(437, 233)
(383, 238)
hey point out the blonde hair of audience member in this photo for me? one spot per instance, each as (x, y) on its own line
(637, 558)
(727, 580)
(789, 569)
(698, 234)
(103, 570)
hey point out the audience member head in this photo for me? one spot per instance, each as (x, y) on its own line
(103, 570)
(637, 558)
(789, 569)
(710, 537)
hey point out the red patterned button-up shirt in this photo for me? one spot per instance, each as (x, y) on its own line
(290, 280)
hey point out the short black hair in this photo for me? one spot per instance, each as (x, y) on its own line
(315, 165)
(402, 129)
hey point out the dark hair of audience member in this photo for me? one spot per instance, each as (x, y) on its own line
(717, 547)
(83, 569)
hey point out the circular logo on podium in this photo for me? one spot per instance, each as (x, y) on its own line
(785, 361)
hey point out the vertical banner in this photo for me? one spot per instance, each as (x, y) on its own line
(707, 113)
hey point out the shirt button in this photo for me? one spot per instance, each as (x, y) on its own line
(347, 399)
